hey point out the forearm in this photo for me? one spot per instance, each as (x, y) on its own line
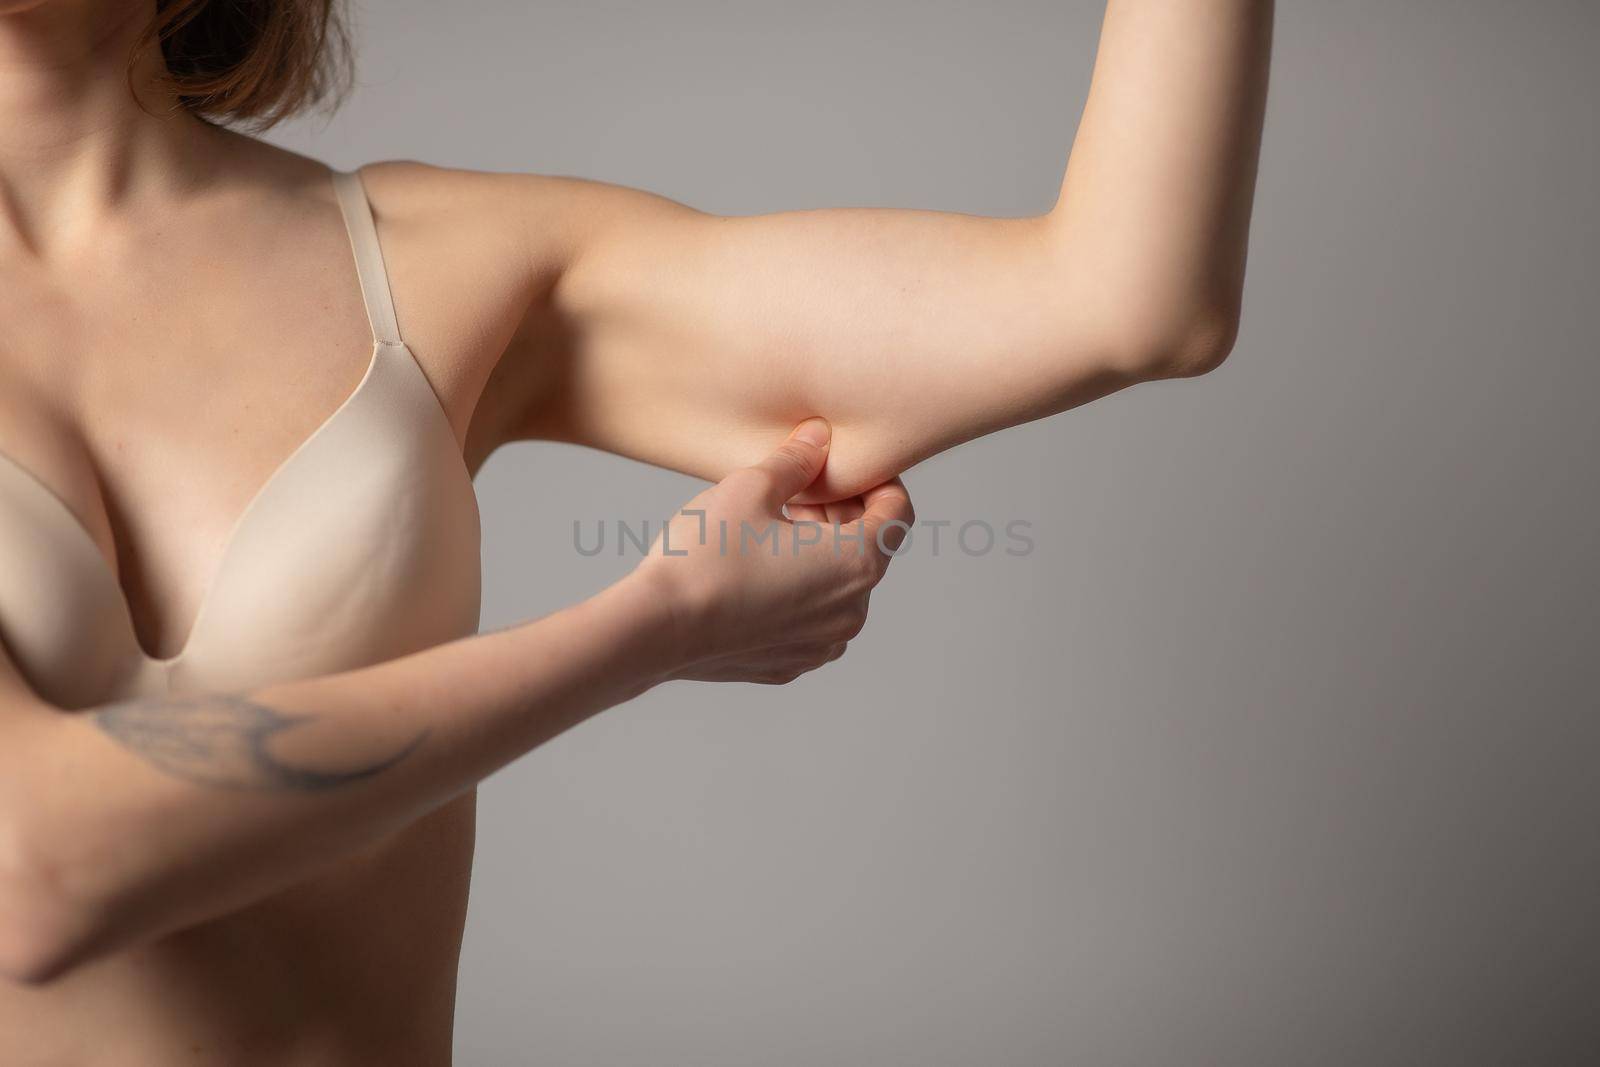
(1154, 211)
(131, 820)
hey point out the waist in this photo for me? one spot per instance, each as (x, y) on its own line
(357, 966)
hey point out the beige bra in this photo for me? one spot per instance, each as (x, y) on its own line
(362, 546)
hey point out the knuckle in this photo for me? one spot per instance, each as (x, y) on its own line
(796, 454)
(787, 463)
(855, 621)
(896, 529)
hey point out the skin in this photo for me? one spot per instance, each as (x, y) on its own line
(279, 876)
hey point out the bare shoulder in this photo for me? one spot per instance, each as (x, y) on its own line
(454, 212)
(474, 260)
(466, 268)
(546, 219)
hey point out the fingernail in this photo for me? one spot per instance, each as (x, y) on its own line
(814, 432)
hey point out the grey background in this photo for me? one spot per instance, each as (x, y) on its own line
(1282, 746)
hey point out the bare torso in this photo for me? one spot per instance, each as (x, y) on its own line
(179, 311)
(209, 339)
(356, 967)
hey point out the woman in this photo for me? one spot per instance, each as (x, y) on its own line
(242, 703)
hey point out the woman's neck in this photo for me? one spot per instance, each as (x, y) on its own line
(79, 138)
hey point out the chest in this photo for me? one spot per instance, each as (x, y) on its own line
(210, 474)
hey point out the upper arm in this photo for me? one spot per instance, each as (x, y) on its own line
(694, 341)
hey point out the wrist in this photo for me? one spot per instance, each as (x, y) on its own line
(658, 623)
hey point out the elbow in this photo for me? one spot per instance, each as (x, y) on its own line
(1186, 346)
(42, 935)
(29, 965)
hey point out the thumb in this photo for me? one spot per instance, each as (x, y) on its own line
(797, 461)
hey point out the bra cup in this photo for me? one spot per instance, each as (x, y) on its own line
(60, 612)
(365, 547)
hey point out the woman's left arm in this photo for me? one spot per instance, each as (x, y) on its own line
(695, 341)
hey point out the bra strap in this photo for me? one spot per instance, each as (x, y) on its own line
(357, 211)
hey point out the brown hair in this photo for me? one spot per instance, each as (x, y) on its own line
(252, 62)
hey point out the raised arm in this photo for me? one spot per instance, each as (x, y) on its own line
(123, 822)
(693, 341)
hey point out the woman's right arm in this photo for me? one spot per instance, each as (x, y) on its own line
(130, 820)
